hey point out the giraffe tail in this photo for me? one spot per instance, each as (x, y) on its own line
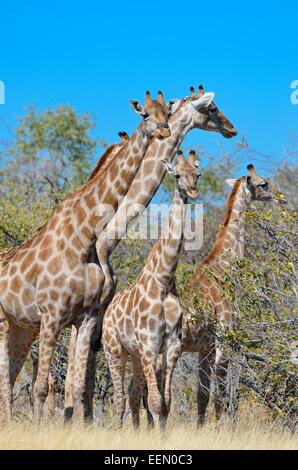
(95, 342)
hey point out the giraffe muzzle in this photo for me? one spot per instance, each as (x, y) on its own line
(163, 132)
(192, 193)
(229, 133)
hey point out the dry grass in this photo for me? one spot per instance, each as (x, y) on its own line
(246, 435)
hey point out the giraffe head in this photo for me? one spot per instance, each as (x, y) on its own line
(155, 114)
(205, 113)
(259, 188)
(187, 174)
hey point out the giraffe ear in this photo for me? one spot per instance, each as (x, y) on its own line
(137, 107)
(204, 101)
(168, 165)
(231, 182)
(172, 105)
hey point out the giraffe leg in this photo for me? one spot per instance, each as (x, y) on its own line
(116, 363)
(135, 391)
(16, 344)
(206, 359)
(49, 332)
(173, 348)
(5, 385)
(90, 380)
(50, 401)
(82, 353)
(20, 341)
(89, 385)
(149, 369)
(172, 355)
(159, 378)
(85, 356)
(68, 395)
(220, 377)
(154, 396)
(145, 403)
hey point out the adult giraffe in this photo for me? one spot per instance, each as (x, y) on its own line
(48, 283)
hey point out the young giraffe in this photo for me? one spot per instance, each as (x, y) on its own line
(229, 246)
(198, 111)
(47, 281)
(134, 322)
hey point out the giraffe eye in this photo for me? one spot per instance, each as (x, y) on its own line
(264, 186)
(212, 110)
(145, 116)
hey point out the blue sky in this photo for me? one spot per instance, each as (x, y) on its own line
(96, 56)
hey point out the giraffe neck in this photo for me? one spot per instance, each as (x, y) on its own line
(229, 244)
(164, 256)
(96, 202)
(145, 183)
(105, 159)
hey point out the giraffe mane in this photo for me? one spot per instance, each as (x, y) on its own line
(99, 174)
(8, 254)
(217, 247)
(153, 249)
(102, 160)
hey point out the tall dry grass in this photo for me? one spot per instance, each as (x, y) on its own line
(247, 434)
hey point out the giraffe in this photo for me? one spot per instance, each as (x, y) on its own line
(197, 111)
(229, 246)
(47, 282)
(134, 322)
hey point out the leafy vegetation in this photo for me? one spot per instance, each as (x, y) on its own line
(262, 286)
